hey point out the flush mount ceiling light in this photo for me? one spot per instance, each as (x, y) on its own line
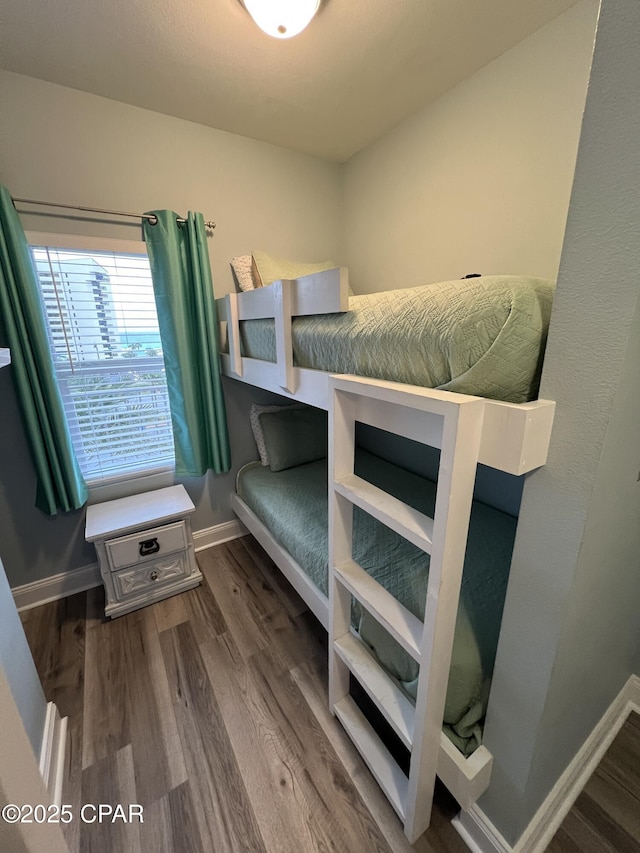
(281, 19)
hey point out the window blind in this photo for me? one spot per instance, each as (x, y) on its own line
(105, 342)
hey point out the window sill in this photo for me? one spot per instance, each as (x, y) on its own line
(100, 490)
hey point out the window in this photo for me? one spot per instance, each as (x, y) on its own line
(105, 343)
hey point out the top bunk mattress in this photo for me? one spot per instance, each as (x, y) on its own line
(483, 336)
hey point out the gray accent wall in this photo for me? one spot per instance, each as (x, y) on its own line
(570, 633)
(19, 669)
(32, 544)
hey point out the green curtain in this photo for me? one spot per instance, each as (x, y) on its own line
(61, 486)
(181, 273)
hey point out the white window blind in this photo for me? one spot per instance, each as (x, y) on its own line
(105, 342)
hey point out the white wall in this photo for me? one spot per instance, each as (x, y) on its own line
(67, 146)
(18, 668)
(480, 180)
(21, 783)
(570, 632)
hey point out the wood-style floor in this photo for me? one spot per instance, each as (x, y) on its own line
(606, 816)
(210, 710)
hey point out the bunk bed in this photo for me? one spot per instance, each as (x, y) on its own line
(468, 429)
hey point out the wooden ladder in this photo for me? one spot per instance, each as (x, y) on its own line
(453, 423)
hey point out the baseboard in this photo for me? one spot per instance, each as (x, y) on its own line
(481, 836)
(52, 753)
(218, 534)
(57, 586)
(478, 833)
(49, 589)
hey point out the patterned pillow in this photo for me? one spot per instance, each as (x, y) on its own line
(245, 273)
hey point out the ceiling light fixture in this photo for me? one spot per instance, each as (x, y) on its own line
(282, 19)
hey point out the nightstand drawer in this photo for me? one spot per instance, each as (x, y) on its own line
(146, 545)
(134, 581)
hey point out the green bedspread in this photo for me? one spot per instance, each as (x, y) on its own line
(293, 505)
(483, 336)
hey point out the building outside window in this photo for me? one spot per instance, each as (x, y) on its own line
(105, 344)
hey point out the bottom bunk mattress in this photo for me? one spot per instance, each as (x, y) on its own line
(293, 505)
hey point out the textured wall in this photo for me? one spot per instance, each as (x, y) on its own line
(68, 146)
(480, 180)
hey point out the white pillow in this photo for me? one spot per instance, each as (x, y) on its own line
(270, 269)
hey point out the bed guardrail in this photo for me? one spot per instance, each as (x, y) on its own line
(325, 292)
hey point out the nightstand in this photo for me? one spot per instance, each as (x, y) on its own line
(144, 546)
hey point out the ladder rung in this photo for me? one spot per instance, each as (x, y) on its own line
(408, 522)
(392, 702)
(376, 756)
(399, 622)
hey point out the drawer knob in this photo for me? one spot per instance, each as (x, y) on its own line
(149, 546)
(154, 575)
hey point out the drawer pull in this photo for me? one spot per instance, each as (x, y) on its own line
(154, 575)
(149, 546)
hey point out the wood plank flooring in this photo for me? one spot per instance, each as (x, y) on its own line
(606, 816)
(210, 709)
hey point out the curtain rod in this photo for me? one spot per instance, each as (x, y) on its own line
(148, 216)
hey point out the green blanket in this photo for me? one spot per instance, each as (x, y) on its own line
(293, 506)
(483, 336)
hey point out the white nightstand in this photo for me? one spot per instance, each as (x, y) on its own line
(145, 548)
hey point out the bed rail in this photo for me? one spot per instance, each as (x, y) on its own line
(468, 430)
(515, 436)
(325, 292)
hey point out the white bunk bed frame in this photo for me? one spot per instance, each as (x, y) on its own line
(468, 430)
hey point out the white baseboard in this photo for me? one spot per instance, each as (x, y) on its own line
(52, 753)
(478, 833)
(218, 534)
(57, 586)
(49, 589)
(481, 836)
